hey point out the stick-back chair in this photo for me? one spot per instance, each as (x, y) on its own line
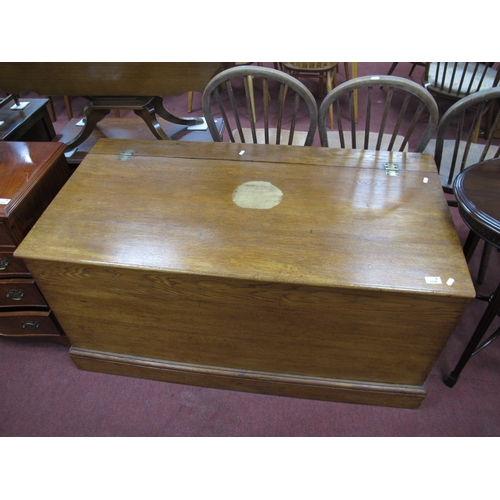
(455, 80)
(392, 110)
(279, 101)
(458, 142)
(322, 71)
(459, 145)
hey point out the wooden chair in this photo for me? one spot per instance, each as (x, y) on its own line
(227, 65)
(322, 71)
(454, 80)
(395, 110)
(458, 147)
(413, 66)
(281, 101)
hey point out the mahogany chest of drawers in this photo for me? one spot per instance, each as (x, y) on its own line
(31, 174)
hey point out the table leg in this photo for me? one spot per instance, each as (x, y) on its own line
(159, 109)
(147, 113)
(145, 107)
(92, 118)
(470, 245)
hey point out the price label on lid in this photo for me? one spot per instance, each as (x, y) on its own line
(433, 280)
(4, 201)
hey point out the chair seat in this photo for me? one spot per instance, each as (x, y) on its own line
(334, 141)
(457, 85)
(298, 137)
(473, 157)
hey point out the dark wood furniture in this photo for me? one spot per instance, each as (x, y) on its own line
(400, 103)
(114, 85)
(31, 123)
(476, 190)
(454, 80)
(126, 128)
(413, 66)
(270, 115)
(301, 271)
(31, 174)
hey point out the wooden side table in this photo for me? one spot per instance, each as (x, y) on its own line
(32, 123)
(31, 174)
(476, 190)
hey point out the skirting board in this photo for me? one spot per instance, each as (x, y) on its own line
(277, 384)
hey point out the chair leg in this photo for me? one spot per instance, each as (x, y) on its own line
(252, 98)
(355, 94)
(392, 68)
(486, 320)
(69, 109)
(331, 81)
(320, 85)
(485, 257)
(51, 110)
(346, 70)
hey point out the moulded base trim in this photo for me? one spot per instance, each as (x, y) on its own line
(278, 384)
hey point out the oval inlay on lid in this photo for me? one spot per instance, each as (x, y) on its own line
(257, 194)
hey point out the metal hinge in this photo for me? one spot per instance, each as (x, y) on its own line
(391, 169)
(126, 154)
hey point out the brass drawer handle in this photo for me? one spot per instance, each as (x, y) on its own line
(4, 264)
(15, 294)
(32, 325)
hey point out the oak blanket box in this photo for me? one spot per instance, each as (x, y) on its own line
(297, 271)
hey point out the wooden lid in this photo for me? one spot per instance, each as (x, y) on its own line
(340, 221)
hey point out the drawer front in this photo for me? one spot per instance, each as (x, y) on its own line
(6, 238)
(29, 324)
(20, 293)
(12, 267)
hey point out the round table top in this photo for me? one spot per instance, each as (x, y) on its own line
(477, 190)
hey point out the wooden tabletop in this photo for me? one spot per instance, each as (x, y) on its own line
(476, 189)
(340, 220)
(106, 78)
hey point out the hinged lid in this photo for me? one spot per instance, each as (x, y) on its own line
(304, 216)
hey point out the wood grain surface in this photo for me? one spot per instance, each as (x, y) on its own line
(151, 259)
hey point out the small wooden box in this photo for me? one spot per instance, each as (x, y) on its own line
(298, 271)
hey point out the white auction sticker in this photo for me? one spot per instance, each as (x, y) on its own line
(433, 280)
(4, 201)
